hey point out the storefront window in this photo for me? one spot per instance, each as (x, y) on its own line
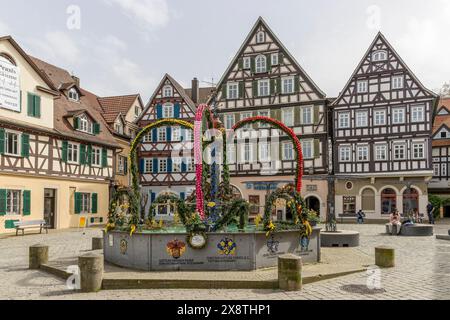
(388, 201)
(410, 201)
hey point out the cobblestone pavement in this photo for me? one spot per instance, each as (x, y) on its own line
(422, 272)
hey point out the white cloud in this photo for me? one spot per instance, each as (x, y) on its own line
(4, 29)
(57, 46)
(150, 13)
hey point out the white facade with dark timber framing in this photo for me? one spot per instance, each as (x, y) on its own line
(264, 79)
(382, 123)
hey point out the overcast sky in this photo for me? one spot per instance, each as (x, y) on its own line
(126, 46)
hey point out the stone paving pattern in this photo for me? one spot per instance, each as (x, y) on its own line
(422, 271)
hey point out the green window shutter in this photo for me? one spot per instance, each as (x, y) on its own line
(89, 155)
(78, 199)
(269, 62)
(224, 91)
(241, 64)
(297, 120)
(253, 64)
(76, 123)
(27, 203)
(94, 203)
(37, 106)
(104, 158)
(316, 148)
(279, 83)
(30, 104)
(25, 148)
(65, 147)
(2, 202)
(96, 128)
(2, 141)
(241, 89)
(255, 88)
(296, 84)
(316, 115)
(281, 58)
(82, 154)
(273, 85)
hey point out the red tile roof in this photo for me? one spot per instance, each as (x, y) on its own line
(113, 106)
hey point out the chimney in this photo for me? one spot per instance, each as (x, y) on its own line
(77, 80)
(195, 90)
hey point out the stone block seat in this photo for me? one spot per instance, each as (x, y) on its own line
(415, 230)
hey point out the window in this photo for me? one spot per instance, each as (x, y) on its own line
(162, 165)
(344, 120)
(287, 85)
(260, 37)
(85, 203)
(307, 115)
(288, 151)
(247, 63)
(264, 113)
(190, 165)
(399, 152)
(349, 204)
(345, 154)
(248, 154)
(231, 154)
(137, 111)
(246, 115)
(379, 55)
(176, 165)
(444, 169)
(148, 165)
(380, 152)
(436, 169)
(398, 115)
(274, 58)
(13, 202)
(34, 105)
(263, 88)
(11, 143)
(255, 202)
(96, 156)
(362, 86)
(443, 134)
(307, 149)
(72, 152)
(167, 92)
(168, 111)
(397, 82)
(361, 119)
(264, 152)
(176, 134)
(122, 165)
(261, 64)
(148, 137)
(388, 201)
(380, 117)
(162, 134)
(84, 124)
(233, 90)
(288, 117)
(362, 153)
(417, 113)
(73, 95)
(418, 150)
(118, 127)
(229, 121)
(189, 134)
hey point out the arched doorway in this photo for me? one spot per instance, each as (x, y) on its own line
(368, 199)
(410, 201)
(388, 201)
(236, 193)
(313, 203)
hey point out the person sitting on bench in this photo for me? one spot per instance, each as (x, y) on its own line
(395, 220)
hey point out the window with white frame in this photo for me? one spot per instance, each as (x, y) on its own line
(444, 169)
(248, 152)
(417, 113)
(381, 152)
(118, 127)
(176, 134)
(246, 115)
(436, 169)
(162, 134)
(190, 164)
(162, 165)
(85, 124)
(233, 90)
(288, 117)
(263, 88)
(264, 152)
(307, 149)
(345, 154)
(13, 202)
(229, 121)
(148, 165)
(85, 203)
(288, 151)
(122, 164)
(362, 86)
(264, 113)
(399, 152)
(344, 120)
(74, 95)
(379, 117)
(72, 152)
(167, 92)
(261, 64)
(12, 143)
(168, 111)
(306, 115)
(287, 85)
(246, 63)
(176, 164)
(362, 153)
(361, 119)
(397, 82)
(189, 134)
(260, 37)
(380, 55)
(148, 137)
(274, 58)
(398, 115)
(96, 156)
(137, 112)
(418, 150)
(231, 154)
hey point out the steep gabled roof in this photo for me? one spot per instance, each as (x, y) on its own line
(113, 106)
(381, 37)
(246, 42)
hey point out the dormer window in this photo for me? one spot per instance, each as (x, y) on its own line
(167, 92)
(261, 64)
(74, 95)
(118, 127)
(261, 37)
(137, 111)
(380, 55)
(84, 124)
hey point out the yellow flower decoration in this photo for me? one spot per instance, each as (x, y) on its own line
(258, 220)
(132, 230)
(211, 204)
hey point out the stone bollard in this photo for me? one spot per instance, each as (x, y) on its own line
(91, 272)
(385, 257)
(38, 256)
(290, 272)
(97, 243)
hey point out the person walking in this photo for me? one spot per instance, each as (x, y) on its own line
(361, 215)
(430, 210)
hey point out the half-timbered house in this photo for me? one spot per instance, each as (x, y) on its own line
(264, 79)
(166, 161)
(382, 122)
(56, 153)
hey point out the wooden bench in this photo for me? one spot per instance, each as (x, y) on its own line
(22, 225)
(347, 215)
